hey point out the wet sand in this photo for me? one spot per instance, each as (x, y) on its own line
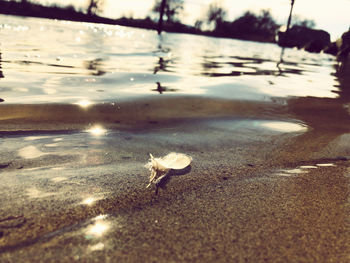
(253, 194)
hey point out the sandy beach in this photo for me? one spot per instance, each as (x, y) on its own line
(254, 193)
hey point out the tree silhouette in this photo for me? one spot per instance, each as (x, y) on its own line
(172, 9)
(95, 7)
(266, 22)
(216, 14)
(198, 24)
(304, 22)
(262, 26)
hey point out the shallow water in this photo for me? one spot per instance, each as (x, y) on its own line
(86, 66)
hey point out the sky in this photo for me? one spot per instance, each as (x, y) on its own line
(332, 16)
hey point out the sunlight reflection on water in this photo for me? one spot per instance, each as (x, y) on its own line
(84, 103)
(96, 247)
(30, 152)
(88, 201)
(98, 228)
(303, 169)
(97, 130)
(113, 62)
(284, 126)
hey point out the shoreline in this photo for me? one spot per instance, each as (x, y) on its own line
(138, 114)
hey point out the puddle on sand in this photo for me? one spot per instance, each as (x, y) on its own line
(291, 172)
(308, 167)
(274, 126)
(281, 126)
(303, 169)
(325, 164)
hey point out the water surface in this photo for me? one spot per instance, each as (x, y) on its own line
(47, 61)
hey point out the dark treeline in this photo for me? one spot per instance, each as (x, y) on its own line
(249, 26)
(91, 14)
(26, 8)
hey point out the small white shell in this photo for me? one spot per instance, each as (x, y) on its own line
(175, 161)
(160, 166)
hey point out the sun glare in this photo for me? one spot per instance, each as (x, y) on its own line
(88, 201)
(84, 103)
(97, 130)
(98, 229)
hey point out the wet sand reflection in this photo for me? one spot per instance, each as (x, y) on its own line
(98, 228)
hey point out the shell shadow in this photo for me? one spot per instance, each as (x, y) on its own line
(163, 180)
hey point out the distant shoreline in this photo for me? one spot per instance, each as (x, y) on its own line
(70, 14)
(302, 37)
